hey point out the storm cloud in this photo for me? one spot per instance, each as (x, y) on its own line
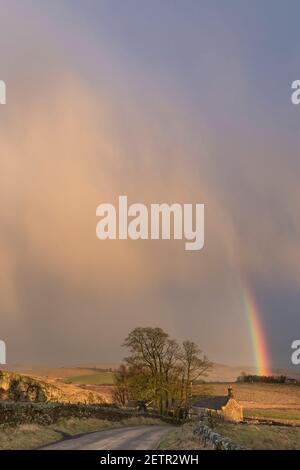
(81, 129)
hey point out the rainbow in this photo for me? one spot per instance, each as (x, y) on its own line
(259, 344)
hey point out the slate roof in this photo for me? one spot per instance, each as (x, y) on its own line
(212, 403)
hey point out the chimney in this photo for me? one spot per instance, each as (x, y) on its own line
(230, 392)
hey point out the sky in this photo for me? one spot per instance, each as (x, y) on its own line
(164, 101)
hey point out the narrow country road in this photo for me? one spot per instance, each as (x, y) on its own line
(129, 438)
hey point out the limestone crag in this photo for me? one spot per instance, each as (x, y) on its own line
(18, 387)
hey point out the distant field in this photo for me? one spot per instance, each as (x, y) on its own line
(286, 416)
(100, 378)
(60, 372)
(219, 373)
(257, 396)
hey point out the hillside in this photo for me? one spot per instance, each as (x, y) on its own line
(225, 373)
(19, 387)
(219, 373)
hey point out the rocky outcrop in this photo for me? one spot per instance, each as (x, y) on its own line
(22, 388)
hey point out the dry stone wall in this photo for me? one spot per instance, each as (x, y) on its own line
(210, 438)
(49, 413)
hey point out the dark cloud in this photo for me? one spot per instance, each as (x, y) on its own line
(69, 142)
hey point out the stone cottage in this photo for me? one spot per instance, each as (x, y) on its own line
(225, 407)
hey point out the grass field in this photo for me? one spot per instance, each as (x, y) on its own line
(100, 378)
(183, 438)
(250, 436)
(261, 437)
(60, 372)
(256, 395)
(286, 416)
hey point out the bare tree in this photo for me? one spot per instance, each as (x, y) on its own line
(121, 393)
(194, 365)
(153, 350)
(161, 371)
